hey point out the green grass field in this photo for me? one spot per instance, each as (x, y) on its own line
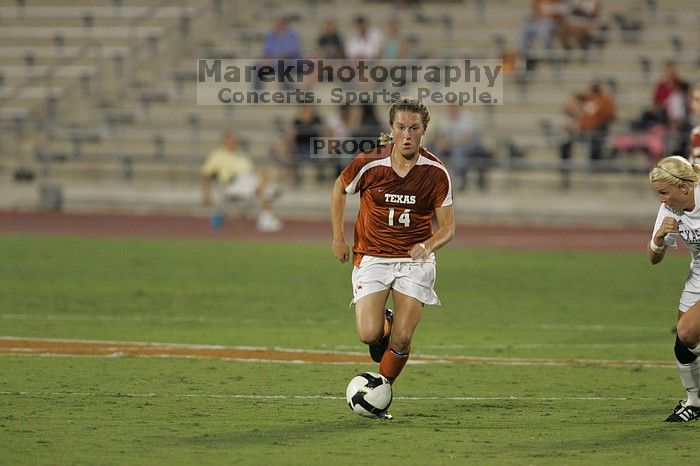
(554, 323)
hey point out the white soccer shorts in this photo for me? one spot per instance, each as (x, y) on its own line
(412, 278)
(688, 300)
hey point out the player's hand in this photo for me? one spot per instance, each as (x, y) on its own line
(669, 225)
(420, 252)
(341, 250)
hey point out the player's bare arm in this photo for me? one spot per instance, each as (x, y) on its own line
(669, 225)
(443, 235)
(340, 247)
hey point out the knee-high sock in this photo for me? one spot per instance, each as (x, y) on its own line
(690, 378)
(392, 364)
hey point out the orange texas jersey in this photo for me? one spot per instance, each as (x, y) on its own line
(395, 213)
(695, 145)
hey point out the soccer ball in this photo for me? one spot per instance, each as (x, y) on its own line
(369, 394)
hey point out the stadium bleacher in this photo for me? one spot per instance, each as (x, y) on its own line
(102, 94)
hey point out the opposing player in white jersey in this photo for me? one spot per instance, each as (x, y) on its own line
(675, 180)
(402, 187)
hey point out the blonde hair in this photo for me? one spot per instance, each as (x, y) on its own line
(675, 170)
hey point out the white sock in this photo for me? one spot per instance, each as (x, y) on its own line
(690, 379)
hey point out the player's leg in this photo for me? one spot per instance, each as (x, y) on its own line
(688, 327)
(407, 313)
(412, 289)
(371, 282)
(688, 363)
(369, 316)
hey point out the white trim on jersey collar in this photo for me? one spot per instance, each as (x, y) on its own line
(386, 162)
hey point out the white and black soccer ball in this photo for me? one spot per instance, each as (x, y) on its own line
(369, 394)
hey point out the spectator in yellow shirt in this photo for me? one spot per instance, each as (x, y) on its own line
(239, 179)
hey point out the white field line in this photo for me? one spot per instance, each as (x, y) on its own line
(179, 345)
(318, 397)
(467, 360)
(166, 356)
(66, 347)
(525, 346)
(116, 318)
(354, 350)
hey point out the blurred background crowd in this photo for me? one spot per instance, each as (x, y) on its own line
(102, 93)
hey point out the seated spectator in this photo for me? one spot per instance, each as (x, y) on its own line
(458, 140)
(677, 107)
(678, 115)
(366, 41)
(295, 145)
(572, 112)
(662, 128)
(281, 43)
(543, 23)
(663, 89)
(694, 143)
(596, 111)
(580, 23)
(599, 112)
(330, 42)
(307, 125)
(396, 45)
(239, 179)
(363, 121)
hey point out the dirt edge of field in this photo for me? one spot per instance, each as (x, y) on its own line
(62, 347)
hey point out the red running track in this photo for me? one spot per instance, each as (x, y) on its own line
(533, 237)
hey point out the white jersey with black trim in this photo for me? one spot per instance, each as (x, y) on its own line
(689, 233)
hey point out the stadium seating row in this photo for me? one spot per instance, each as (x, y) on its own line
(87, 83)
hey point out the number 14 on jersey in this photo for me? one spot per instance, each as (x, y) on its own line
(404, 217)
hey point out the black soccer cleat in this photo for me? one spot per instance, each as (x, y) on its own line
(684, 413)
(377, 349)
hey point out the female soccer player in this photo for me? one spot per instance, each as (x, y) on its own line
(402, 186)
(675, 179)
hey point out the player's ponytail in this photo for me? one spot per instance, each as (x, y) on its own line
(696, 169)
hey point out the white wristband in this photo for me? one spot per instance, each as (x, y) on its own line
(655, 248)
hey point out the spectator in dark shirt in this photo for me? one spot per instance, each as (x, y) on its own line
(330, 42)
